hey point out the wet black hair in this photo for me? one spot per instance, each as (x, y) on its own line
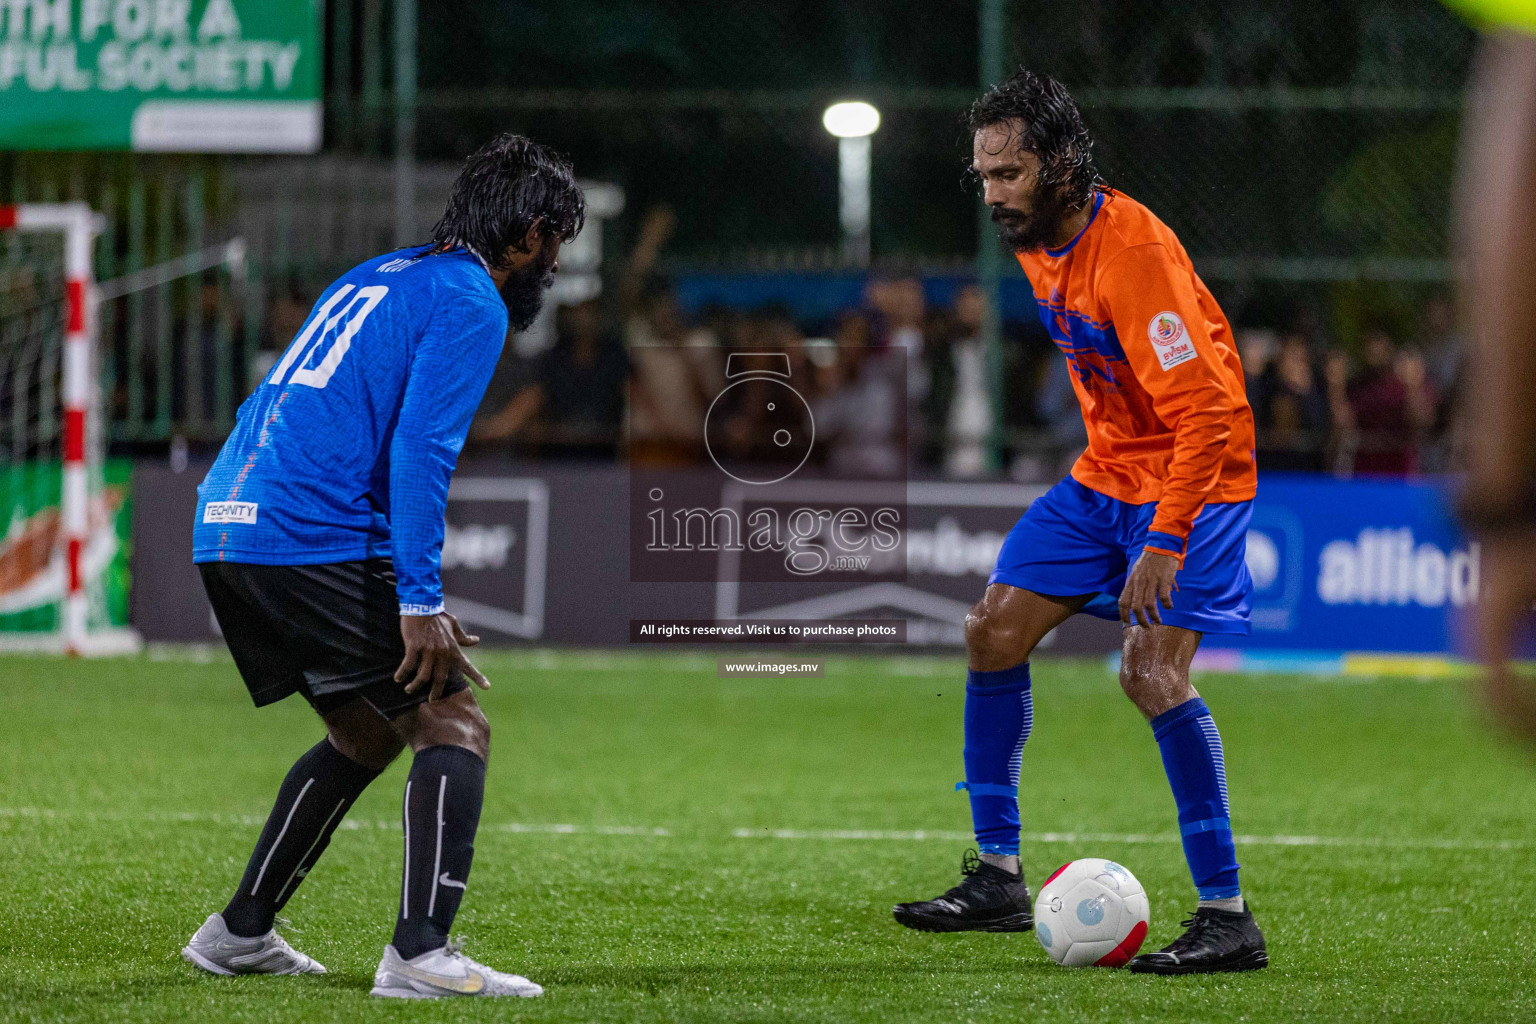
(506, 187)
(1043, 119)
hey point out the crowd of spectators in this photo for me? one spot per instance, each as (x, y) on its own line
(897, 385)
(892, 383)
(1392, 410)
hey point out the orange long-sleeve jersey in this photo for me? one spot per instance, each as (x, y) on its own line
(1154, 367)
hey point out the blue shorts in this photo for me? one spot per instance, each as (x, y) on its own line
(1074, 541)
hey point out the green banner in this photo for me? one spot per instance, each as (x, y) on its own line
(33, 576)
(207, 76)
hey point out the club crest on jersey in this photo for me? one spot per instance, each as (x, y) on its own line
(1170, 340)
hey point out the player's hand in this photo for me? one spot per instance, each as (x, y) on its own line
(432, 653)
(1149, 584)
(1509, 589)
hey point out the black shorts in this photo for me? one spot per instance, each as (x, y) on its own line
(330, 632)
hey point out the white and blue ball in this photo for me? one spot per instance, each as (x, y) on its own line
(1092, 912)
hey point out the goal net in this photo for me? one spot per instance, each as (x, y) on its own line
(63, 510)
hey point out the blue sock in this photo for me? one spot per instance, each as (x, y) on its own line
(999, 712)
(1197, 772)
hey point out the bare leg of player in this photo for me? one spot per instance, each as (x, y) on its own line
(1154, 667)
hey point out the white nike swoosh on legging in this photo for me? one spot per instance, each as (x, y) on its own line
(443, 879)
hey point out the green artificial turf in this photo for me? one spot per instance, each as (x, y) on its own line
(698, 881)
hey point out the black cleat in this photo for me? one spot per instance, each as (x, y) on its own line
(988, 900)
(1214, 940)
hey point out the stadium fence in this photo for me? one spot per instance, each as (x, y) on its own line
(1302, 151)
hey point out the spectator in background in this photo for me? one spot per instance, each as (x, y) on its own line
(717, 325)
(1385, 410)
(208, 331)
(1057, 407)
(573, 407)
(852, 335)
(676, 373)
(747, 417)
(286, 312)
(901, 312)
(675, 378)
(860, 404)
(777, 328)
(1443, 344)
(960, 420)
(1445, 361)
(1256, 349)
(1342, 441)
(931, 437)
(1291, 409)
(901, 306)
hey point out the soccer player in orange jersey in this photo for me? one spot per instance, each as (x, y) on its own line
(1150, 527)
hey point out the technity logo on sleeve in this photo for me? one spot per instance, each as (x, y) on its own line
(230, 512)
(1170, 340)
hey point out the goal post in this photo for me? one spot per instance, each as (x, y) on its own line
(79, 447)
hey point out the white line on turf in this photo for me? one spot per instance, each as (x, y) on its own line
(347, 824)
(878, 835)
(583, 830)
(1138, 837)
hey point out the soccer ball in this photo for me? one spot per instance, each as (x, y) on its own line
(1091, 912)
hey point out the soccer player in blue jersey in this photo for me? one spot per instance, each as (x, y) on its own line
(318, 534)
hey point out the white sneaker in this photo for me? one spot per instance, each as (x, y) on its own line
(216, 951)
(444, 972)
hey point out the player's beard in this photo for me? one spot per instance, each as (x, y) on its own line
(524, 291)
(1028, 232)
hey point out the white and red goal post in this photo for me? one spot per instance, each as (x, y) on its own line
(78, 385)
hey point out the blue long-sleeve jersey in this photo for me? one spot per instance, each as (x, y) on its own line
(345, 449)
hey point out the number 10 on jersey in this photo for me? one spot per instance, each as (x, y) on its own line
(324, 325)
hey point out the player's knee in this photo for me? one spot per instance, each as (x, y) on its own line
(376, 749)
(468, 728)
(1154, 687)
(477, 731)
(1133, 678)
(455, 722)
(992, 641)
(361, 734)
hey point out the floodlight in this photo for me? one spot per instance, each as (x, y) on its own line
(851, 120)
